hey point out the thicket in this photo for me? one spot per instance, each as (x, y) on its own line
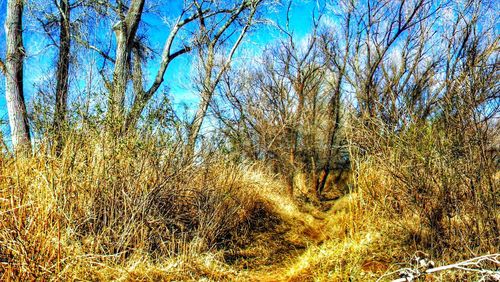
(373, 138)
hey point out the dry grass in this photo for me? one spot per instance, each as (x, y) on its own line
(103, 214)
(130, 211)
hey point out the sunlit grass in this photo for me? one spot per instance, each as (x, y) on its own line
(133, 213)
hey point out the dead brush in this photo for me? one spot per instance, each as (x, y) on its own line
(437, 187)
(32, 234)
(101, 203)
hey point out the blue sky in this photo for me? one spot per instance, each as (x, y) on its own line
(40, 58)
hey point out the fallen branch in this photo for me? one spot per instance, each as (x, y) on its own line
(477, 265)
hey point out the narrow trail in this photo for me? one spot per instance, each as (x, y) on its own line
(302, 239)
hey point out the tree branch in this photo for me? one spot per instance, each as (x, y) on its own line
(2, 67)
(167, 56)
(94, 48)
(235, 46)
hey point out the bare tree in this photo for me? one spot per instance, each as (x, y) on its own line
(129, 52)
(370, 34)
(430, 112)
(212, 71)
(62, 76)
(125, 33)
(280, 112)
(14, 77)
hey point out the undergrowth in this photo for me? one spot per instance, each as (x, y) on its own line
(133, 210)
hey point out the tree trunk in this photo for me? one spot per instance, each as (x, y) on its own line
(210, 82)
(120, 76)
(206, 96)
(62, 74)
(195, 127)
(125, 32)
(16, 106)
(333, 128)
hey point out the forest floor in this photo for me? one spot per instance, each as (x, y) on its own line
(326, 246)
(303, 243)
(230, 222)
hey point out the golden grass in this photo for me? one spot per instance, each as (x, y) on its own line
(128, 215)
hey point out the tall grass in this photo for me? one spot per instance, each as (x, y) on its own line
(133, 209)
(104, 202)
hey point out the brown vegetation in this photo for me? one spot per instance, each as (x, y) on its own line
(337, 157)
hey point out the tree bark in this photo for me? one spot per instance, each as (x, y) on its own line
(195, 127)
(125, 32)
(62, 73)
(16, 106)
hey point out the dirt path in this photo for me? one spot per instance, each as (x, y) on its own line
(294, 252)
